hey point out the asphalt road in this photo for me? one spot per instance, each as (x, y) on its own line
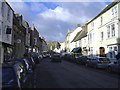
(70, 75)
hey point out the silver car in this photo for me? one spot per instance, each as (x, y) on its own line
(98, 62)
(114, 66)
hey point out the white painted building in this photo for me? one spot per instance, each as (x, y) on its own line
(72, 36)
(67, 41)
(6, 23)
(104, 32)
(62, 46)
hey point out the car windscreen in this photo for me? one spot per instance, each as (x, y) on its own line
(8, 75)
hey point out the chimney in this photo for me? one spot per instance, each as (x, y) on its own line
(78, 25)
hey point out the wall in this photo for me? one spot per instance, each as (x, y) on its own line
(7, 38)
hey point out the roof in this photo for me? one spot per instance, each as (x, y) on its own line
(79, 35)
(8, 5)
(104, 10)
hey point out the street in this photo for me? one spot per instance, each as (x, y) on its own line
(70, 75)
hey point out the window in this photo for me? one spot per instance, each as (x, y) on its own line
(101, 20)
(0, 53)
(91, 50)
(90, 37)
(115, 51)
(108, 31)
(85, 41)
(8, 30)
(2, 9)
(112, 12)
(0, 28)
(101, 35)
(110, 52)
(113, 30)
(93, 37)
(79, 43)
(115, 11)
(35, 41)
(8, 14)
(75, 44)
(92, 25)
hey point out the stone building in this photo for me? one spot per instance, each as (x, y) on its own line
(34, 37)
(6, 30)
(19, 33)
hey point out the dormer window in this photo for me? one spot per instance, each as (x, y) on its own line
(101, 20)
(114, 11)
(92, 25)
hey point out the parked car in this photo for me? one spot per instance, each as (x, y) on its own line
(82, 60)
(56, 58)
(114, 67)
(27, 65)
(30, 61)
(13, 75)
(98, 62)
(40, 56)
(67, 57)
(36, 59)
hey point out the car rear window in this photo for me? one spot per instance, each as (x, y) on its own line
(103, 59)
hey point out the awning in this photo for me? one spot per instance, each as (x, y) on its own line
(80, 35)
(77, 50)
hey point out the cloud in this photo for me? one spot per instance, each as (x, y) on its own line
(53, 23)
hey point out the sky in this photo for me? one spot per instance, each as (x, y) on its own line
(54, 19)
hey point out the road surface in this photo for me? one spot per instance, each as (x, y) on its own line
(70, 75)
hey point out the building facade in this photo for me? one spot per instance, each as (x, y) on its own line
(19, 33)
(44, 45)
(104, 32)
(74, 44)
(6, 24)
(34, 37)
(27, 36)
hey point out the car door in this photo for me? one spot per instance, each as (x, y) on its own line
(115, 66)
(94, 62)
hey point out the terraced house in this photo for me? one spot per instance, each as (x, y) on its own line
(6, 23)
(104, 32)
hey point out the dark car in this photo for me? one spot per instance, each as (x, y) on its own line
(56, 58)
(67, 57)
(30, 61)
(26, 64)
(114, 66)
(36, 59)
(82, 60)
(98, 62)
(12, 75)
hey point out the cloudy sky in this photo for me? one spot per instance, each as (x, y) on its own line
(54, 19)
